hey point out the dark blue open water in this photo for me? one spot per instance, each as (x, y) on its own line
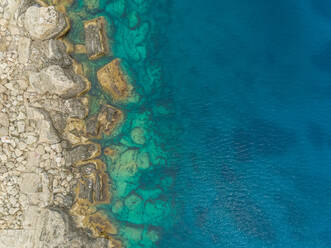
(251, 83)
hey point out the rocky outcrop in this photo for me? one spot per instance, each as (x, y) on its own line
(49, 228)
(49, 52)
(56, 80)
(44, 23)
(95, 38)
(50, 177)
(82, 153)
(108, 118)
(114, 80)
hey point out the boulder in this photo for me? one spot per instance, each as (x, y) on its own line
(114, 80)
(82, 152)
(44, 23)
(94, 185)
(46, 130)
(95, 38)
(23, 6)
(72, 107)
(108, 118)
(24, 49)
(138, 135)
(49, 52)
(56, 80)
(92, 126)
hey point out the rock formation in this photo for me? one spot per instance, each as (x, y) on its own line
(95, 38)
(50, 177)
(44, 23)
(114, 80)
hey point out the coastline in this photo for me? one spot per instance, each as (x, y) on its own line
(50, 192)
(97, 96)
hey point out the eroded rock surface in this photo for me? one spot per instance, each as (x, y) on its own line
(114, 80)
(56, 80)
(43, 138)
(44, 23)
(95, 38)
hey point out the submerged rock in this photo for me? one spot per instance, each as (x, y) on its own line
(114, 80)
(108, 118)
(95, 38)
(44, 23)
(56, 80)
(92, 4)
(138, 135)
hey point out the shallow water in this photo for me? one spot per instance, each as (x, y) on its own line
(234, 100)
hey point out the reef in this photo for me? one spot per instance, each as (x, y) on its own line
(51, 179)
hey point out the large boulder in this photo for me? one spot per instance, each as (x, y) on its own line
(44, 23)
(109, 117)
(56, 80)
(95, 38)
(46, 130)
(49, 52)
(114, 80)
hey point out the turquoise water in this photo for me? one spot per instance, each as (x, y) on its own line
(234, 100)
(142, 170)
(251, 83)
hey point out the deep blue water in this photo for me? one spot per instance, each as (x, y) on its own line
(251, 83)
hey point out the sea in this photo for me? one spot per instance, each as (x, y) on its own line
(233, 111)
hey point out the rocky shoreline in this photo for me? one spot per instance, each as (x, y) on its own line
(50, 176)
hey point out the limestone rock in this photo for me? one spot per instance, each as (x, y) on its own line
(23, 6)
(109, 117)
(44, 23)
(95, 38)
(4, 121)
(92, 126)
(24, 49)
(51, 228)
(114, 80)
(56, 80)
(47, 132)
(49, 52)
(81, 153)
(73, 107)
(94, 185)
(31, 183)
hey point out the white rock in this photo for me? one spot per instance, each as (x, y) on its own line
(54, 80)
(44, 23)
(30, 183)
(24, 49)
(3, 131)
(31, 139)
(20, 126)
(4, 121)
